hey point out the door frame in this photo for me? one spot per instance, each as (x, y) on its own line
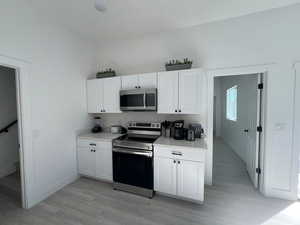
(246, 70)
(296, 152)
(23, 94)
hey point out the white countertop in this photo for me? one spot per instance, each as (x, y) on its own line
(101, 136)
(198, 143)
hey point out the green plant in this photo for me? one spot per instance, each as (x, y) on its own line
(109, 70)
(178, 62)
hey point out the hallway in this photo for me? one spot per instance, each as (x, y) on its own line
(228, 168)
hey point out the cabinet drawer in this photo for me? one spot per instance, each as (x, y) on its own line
(87, 143)
(180, 153)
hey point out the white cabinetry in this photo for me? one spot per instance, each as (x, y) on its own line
(95, 159)
(103, 95)
(104, 161)
(179, 172)
(181, 92)
(147, 80)
(190, 180)
(165, 175)
(86, 161)
(167, 85)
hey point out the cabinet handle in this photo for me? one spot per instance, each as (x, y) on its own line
(175, 110)
(178, 162)
(174, 161)
(176, 153)
(179, 110)
(92, 144)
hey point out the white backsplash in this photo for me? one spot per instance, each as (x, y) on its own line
(125, 117)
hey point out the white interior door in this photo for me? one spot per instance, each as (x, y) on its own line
(111, 96)
(253, 136)
(167, 88)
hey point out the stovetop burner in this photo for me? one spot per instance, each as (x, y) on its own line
(140, 136)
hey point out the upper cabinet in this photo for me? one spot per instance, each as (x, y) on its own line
(167, 95)
(148, 80)
(103, 95)
(181, 92)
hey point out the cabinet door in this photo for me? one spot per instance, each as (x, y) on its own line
(129, 82)
(104, 161)
(165, 175)
(86, 162)
(190, 92)
(190, 183)
(167, 87)
(94, 96)
(148, 80)
(111, 95)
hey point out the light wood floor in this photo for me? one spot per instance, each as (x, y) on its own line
(231, 201)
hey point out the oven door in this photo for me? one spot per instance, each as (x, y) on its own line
(133, 167)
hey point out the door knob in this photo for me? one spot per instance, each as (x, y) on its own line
(175, 110)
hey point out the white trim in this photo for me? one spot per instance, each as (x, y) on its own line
(246, 70)
(24, 118)
(296, 152)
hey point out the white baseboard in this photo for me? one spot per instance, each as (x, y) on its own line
(56, 187)
(276, 193)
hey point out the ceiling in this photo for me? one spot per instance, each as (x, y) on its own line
(132, 18)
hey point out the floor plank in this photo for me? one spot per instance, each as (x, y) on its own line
(230, 201)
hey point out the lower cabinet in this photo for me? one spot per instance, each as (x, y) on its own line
(179, 177)
(95, 159)
(165, 175)
(86, 161)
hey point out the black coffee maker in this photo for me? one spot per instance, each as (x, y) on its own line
(179, 131)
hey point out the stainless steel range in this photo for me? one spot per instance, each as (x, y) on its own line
(133, 158)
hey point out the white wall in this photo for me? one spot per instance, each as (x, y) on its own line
(9, 154)
(268, 37)
(59, 62)
(232, 132)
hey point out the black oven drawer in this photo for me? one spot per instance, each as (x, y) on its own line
(133, 169)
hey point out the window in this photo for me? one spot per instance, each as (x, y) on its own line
(231, 103)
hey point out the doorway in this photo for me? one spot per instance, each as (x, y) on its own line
(237, 129)
(10, 160)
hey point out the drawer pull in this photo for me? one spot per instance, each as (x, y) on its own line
(176, 153)
(92, 144)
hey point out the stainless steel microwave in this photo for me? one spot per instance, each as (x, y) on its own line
(138, 100)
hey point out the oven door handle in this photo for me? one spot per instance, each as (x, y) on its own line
(133, 152)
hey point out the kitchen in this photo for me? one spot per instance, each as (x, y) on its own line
(164, 148)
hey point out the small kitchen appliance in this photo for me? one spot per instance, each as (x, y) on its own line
(179, 130)
(190, 135)
(138, 99)
(197, 128)
(97, 128)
